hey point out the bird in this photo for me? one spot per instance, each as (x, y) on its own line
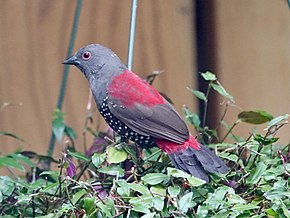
(137, 112)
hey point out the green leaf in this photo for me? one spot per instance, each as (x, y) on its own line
(173, 191)
(158, 202)
(34, 185)
(152, 155)
(271, 212)
(23, 199)
(255, 117)
(7, 185)
(149, 215)
(278, 191)
(226, 213)
(112, 170)
(50, 215)
(50, 188)
(202, 211)
(146, 199)
(116, 155)
(132, 152)
(58, 125)
(176, 173)
(195, 182)
(111, 205)
(217, 199)
(198, 94)
(231, 157)
(285, 209)
(54, 173)
(139, 188)
(77, 196)
(244, 207)
(233, 198)
(278, 120)
(256, 173)
(208, 76)
(265, 140)
(79, 156)
(140, 207)
(98, 159)
(22, 158)
(24, 184)
(192, 118)
(10, 162)
(57, 113)
(142, 203)
(154, 178)
(89, 205)
(105, 209)
(158, 190)
(123, 189)
(273, 172)
(185, 202)
(218, 87)
(70, 132)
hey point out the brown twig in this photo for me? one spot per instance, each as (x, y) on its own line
(284, 163)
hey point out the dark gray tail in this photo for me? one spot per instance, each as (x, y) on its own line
(198, 162)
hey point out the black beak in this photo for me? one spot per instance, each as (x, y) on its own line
(73, 60)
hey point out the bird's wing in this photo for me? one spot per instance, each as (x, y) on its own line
(160, 121)
(139, 106)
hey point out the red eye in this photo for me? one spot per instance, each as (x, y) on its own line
(86, 55)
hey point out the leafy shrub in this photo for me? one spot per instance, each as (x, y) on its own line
(116, 179)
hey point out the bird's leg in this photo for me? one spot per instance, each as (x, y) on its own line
(138, 150)
(124, 140)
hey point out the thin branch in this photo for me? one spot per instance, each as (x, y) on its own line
(230, 130)
(205, 106)
(284, 163)
(83, 170)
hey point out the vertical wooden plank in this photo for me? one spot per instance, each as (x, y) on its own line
(253, 56)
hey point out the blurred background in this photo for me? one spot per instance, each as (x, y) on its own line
(245, 43)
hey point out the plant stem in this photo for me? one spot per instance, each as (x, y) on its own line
(33, 205)
(67, 193)
(83, 170)
(243, 146)
(284, 163)
(205, 105)
(59, 177)
(66, 70)
(230, 130)
(257, 154)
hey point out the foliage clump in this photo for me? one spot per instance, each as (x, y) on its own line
(116, 179)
